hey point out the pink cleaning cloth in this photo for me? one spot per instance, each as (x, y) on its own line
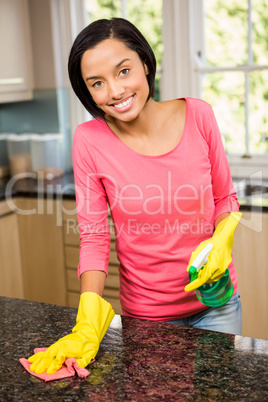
(68, 369)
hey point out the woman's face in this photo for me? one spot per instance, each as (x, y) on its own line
(116, 79)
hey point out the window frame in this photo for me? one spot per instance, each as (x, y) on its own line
(184, 63)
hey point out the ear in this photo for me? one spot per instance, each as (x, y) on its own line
(146, 69)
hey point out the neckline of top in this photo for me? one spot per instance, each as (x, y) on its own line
(159, 155)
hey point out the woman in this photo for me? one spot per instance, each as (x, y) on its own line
(162, 169)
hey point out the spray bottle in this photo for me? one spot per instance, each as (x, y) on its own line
(213, 294)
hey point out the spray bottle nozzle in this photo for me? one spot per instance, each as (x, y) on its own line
(201, 259)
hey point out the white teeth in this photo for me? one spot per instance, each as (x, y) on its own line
(123, 104)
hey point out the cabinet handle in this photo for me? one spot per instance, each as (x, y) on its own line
(11, 81)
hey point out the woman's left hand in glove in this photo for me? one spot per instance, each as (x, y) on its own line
(221, 254)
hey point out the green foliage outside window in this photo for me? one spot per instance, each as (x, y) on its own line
(226, 39)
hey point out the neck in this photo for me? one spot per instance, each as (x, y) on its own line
(140, 126)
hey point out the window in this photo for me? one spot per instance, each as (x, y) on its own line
(217, 50)
(234, 69)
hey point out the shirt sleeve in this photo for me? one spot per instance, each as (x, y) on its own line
(92, 208)
(225, 198)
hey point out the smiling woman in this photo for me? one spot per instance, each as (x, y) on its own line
(162, 169)
(116, 85)
(129, 43)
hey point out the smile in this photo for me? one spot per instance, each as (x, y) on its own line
(124, 104)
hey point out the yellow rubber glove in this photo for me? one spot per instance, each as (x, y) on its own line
(221, 254)
(93, 319)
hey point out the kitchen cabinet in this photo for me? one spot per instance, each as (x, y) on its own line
(41, 242)
(42, 44)
(71, 251)
(16, 72)
(11, 281)
(250, 254)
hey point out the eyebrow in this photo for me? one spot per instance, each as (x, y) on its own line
(118, 65)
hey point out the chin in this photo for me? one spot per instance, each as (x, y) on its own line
(128, 119)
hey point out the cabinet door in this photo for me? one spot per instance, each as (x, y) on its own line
(42, 256)
(11, 283)
(15, 46)
(250, 253)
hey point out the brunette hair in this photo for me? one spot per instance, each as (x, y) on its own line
(91, 36)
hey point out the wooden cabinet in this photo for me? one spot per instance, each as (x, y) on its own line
(39, 253)
(16, 72)
(11, 281)
(250, 253)
(71, 251)
(41, 241)
(42, 44)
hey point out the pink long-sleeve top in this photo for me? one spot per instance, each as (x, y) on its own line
(162, 207)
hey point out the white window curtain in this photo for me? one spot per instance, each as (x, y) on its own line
(68, 19)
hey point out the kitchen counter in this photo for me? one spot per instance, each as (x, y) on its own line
(64, 188)
(138, 360)
(59, 188)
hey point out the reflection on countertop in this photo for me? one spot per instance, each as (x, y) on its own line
(252, 194)
(138, 360)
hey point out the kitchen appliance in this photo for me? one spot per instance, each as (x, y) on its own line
(19, 154)
(47, 155)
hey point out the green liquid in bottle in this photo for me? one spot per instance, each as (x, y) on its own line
(215, 294)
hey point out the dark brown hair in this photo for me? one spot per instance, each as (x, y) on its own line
(91, 36)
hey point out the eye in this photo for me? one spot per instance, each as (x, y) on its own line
(97, 84)
(125, 71)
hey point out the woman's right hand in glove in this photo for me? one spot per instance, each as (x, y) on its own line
(93, 319)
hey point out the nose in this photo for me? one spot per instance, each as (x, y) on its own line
(116, 90)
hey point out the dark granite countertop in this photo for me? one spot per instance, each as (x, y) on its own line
(64, 188)
(138, 360)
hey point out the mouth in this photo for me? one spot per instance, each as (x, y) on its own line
(125, 105)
